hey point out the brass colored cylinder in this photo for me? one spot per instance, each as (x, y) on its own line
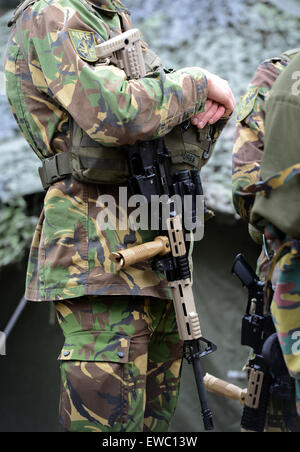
(225, 389)
(140, 253)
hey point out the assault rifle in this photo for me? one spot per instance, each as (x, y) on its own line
(150, 176)
(267, 372)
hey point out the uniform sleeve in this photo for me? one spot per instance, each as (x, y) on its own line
(110, 109)
(249, 142)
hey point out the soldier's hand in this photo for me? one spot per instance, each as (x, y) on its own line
(220, 92)
(213, 112)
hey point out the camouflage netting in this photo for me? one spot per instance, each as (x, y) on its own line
(15, 231)
(229, 38)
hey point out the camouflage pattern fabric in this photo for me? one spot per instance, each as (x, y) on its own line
(285, 308)
(274, 182)
(249, 147)
(249, 144)
(247, 157)
(60, 80)
(120, 364)
(70, 253)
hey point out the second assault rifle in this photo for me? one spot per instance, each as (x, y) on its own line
(267, 371)
(150, 176)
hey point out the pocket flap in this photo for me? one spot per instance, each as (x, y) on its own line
(96, 346)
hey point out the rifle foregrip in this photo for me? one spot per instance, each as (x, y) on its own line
(225, 389)
(140, 253)
(254, 419)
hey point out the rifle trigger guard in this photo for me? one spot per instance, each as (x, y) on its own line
(191, 354)
(210, 347)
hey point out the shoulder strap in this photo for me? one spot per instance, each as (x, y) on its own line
(20, 37)
(290, 54)
(19, 10)
(15, 20)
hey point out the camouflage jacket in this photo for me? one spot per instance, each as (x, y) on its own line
(58, 80)
(247, 157)
(249, 142)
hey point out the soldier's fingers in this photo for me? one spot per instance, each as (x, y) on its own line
(206, 117)
(208, 104)
(197, 118)
(219, 114)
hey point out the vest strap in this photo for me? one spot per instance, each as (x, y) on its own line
(55, 168)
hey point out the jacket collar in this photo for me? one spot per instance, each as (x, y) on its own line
(109, 5)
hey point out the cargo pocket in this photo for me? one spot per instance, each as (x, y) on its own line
(94, 394)
(96, 346)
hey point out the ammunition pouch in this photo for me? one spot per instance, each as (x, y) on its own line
(190, 147)
(94, 163)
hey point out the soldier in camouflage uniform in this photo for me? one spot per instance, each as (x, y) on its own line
(247, 157)
(121, 360)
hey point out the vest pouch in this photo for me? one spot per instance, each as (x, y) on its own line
(93, 163)
(190, 147)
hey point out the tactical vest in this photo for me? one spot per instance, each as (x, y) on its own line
(277, 195)
(88, 161)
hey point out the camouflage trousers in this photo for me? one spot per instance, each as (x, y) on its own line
(120, 364)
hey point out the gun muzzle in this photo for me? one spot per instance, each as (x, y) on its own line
(225, 389)
(125, 258)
